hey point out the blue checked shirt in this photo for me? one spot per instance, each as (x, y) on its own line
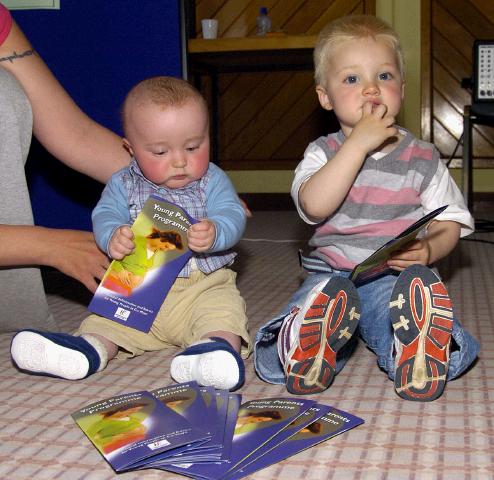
(213, 197)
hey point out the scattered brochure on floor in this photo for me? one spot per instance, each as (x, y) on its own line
(228, 405)
(204, 433)
(132, 428)
(189, 400)
(299, 438)
(258, 422)
(302, 421)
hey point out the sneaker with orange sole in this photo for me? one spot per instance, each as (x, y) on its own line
(422, 318)
(330, 318)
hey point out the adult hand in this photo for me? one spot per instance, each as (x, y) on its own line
(76, 254)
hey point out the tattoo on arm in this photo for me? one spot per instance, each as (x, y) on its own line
(16, 56)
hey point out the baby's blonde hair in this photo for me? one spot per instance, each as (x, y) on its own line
(162, 92)
(352, 27)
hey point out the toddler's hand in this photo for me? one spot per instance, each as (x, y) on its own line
(374, 128)
(417, 251)
(201, 235)
(121, 242)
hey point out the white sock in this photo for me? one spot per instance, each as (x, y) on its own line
(288, 331)
(217, 368)
(100, 348)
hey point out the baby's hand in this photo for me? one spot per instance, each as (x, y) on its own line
(121, 242)
(374, 128)
(417, 251)
(201, 235)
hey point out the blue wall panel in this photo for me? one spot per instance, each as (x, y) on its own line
(98, 49)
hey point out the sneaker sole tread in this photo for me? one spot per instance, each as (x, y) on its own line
(422, 319)
(328, 324)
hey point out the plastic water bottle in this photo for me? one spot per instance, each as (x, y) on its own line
(263, 22)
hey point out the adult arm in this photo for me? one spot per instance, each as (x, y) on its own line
(73, 252)
(78, 141)
(58, 123)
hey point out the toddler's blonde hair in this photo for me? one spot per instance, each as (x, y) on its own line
(352, 27)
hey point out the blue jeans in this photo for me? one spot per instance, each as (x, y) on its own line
(375, 329)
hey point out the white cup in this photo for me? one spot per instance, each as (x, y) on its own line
(209, 28)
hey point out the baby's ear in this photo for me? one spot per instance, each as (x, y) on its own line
(128, 146)
(323, 98)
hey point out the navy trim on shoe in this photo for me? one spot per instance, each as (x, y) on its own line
(65, 340)
(216, 344)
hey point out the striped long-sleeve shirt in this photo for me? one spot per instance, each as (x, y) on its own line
(390, 192)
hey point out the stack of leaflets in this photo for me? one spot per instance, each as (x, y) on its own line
(205, 433)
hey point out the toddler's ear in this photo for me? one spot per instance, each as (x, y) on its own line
(323, 98)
